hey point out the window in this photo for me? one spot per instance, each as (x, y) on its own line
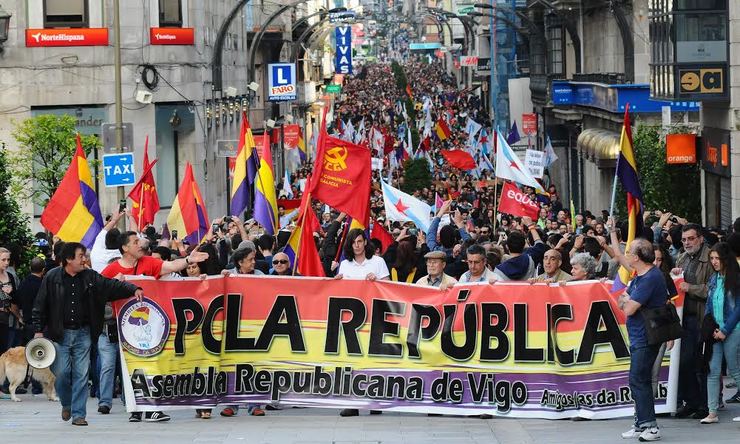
(65, 14)
(170, 13)
(555, 50)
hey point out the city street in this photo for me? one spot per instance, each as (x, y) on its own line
(35, 420)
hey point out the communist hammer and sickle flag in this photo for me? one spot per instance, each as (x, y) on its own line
(335, 158)
(342, 180)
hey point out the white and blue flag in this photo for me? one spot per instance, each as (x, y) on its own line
(402, 207)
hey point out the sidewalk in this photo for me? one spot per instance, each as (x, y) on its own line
(36, 420)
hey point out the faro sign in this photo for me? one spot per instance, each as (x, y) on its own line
(281, 82)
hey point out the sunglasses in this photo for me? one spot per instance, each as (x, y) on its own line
(281, 262)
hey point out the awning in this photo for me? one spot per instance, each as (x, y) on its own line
(599, 146)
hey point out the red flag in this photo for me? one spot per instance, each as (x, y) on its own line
(309, 262)
(459, 159)
(144, 193)
(341, 177)
(380, 233)
(409, 92)
(515, 202)
(426, 144)
(388, 147)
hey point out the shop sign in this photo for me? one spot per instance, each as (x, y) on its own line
(702, 82)
(172, 36)
(715, 152)
(680, 149)
(529, 124)
(468, 61)
(67, 37)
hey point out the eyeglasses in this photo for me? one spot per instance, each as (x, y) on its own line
(280, 261)
(689, 239)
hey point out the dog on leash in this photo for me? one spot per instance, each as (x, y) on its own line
(14, 366)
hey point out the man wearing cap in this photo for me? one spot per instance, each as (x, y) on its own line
(436, 261)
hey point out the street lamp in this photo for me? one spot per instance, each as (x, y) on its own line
(4, 27)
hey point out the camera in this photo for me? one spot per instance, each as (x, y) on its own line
(413, 231)
(453, 206)
(674, 219)
(121, 205)
(214, 228)
(174, 234)
(228, 220)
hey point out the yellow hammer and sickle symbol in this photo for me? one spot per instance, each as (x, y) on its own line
(335, 158)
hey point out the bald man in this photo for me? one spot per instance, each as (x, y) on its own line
(281, 265)
(551, 263)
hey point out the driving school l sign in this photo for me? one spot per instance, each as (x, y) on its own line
(281, 81)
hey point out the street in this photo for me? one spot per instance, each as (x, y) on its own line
(36, 420)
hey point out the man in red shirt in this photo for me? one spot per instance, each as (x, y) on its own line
(134, 262)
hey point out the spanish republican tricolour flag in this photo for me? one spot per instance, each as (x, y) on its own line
(442, 130)
(301, 248)
(73, 212)
(188, 214)
(245, 170)
(341, 177)
(627, 174)
(144, 193)
(265, 200)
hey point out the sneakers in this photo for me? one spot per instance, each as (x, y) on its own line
(632, 433)
(736, 419)
(735, 399)
(228, 412)
(104, 409)
(650, 434)
(156, 417)
(256, 411)
(135, 417)
(79, 422)
(349, 412)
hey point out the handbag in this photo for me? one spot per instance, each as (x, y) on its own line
(662, 324)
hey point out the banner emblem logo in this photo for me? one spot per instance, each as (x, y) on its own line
(335, 159)
(144, 327)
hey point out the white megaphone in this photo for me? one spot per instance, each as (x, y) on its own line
(40, 353)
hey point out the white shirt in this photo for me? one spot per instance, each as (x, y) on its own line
(485, 277)
(100, 256)
(353, 270)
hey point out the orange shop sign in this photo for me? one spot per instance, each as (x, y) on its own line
(172, 36)
(67, 37)
(680, 149)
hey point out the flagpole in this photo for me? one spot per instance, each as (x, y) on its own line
(141, 202)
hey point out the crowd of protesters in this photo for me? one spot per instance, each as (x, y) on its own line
(467, 241)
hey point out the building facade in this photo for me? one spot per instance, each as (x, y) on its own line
(59, 59)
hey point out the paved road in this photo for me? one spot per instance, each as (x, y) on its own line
(36, 420)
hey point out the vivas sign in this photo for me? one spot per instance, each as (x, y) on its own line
(343, 36)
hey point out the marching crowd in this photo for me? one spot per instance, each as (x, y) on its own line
(467, 241)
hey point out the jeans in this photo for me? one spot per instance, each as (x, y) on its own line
(642, 358)
(729, 350)
(71, 368)
(656, 368)
(692, 382)
(107, 357)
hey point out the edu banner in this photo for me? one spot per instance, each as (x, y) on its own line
(515, 349)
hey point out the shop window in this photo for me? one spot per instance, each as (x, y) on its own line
(65, 14)
(170, 13)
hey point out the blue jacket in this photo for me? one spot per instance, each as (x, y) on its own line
(731, 309)
(432, 237)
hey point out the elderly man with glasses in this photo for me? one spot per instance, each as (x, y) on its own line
(693, 262)
(281, 265)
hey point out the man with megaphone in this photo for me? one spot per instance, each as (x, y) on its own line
(70, 308)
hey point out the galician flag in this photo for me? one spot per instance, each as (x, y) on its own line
(508, 166)
(402, 207)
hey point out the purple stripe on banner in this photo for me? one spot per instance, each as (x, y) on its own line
(568, 395)
(90, 200)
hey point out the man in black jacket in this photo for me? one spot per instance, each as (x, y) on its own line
(70, 307)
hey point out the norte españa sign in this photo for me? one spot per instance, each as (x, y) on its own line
(281, 82)
(343, 62)
(509, 349)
